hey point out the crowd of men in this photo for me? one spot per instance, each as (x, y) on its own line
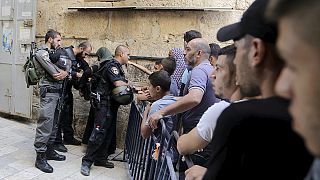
(259, 120)
(244, 111)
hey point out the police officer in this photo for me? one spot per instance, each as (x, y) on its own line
(77, 55)
(103, 54)
(111, 76)
(50, 91)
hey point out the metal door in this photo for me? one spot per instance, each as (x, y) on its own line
(17, 30)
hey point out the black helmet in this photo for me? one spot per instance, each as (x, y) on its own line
(122, 94)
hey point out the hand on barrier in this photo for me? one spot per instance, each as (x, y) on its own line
(154, 119)
(196, 172)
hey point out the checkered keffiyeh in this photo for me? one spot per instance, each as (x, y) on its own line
(180, 65)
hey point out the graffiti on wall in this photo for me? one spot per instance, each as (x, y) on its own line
(7, 38)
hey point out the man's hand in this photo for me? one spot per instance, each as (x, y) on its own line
(196, 172)
(143, 95)
(154, 119)
(61, 75)
(79, 75)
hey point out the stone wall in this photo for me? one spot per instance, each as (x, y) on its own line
(147, 33)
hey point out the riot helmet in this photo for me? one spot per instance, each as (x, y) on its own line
(122, 94)
(104, 54)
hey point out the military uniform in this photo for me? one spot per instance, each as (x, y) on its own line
(66, 118)
(50, 93)
(103, 55)
(99, 141)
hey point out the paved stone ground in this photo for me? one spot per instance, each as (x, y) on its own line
(17, 157)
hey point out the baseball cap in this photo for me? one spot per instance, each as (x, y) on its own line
(253, 22)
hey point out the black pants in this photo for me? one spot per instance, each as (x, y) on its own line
(100, 139)
(114, 112)
(66, 120)
(90, 124)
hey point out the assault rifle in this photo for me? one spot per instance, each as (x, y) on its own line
(61, 105)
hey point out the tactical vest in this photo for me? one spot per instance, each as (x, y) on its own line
(99, 84)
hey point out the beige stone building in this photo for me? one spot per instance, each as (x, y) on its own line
(149, 28)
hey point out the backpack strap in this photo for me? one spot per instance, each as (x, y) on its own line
(101, 69)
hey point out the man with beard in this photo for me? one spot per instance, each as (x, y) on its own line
(198, 95)
(76, 55)
(50, 92)
(224, 83)
(253, 139)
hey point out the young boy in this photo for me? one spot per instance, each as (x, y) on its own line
(167, 64)
(159, 90)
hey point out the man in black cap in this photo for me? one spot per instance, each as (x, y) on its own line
(253, 139)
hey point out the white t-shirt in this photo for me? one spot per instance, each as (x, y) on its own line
(208, 121)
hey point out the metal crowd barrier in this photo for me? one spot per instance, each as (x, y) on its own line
(138, 151)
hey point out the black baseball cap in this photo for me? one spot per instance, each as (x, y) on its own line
(253, 22)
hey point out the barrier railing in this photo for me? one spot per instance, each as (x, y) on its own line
(145, 159)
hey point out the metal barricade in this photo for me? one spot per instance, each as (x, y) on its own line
(136, 148)
(138, 151)
(175, 137)
(162, 168)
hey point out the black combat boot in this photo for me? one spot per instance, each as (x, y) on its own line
(42, 164)
(60, 147)
(105, 164)
(53, 155)
(72, 141)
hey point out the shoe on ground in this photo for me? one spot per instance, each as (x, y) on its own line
(106, 164)
(42, 164)
(85, 169)
(111, 152)
(53, 155)
(72, 141)
(60, 147)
